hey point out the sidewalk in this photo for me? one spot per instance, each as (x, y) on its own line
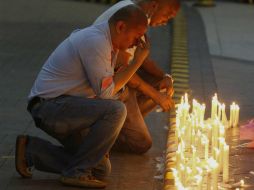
(230, 34)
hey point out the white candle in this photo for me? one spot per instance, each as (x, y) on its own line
(202, 113)
(215, 132)
(217, 155)
(221, 148)
(221, 131)
(182, 174)
(205, 142)
(214, 106)
(219, 111)
(214, 168)
(186, 98)
(224, 116)
(226, 163)
(236, 115)
(231, 116)
(194, 150)
(198, 141)
(199, 182)
(215, 177)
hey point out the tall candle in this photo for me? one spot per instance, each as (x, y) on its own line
(214, 106)
(202, 113)
(224, 116)
(236, 115)
(193, 158)
(231, 115)
(186, 98)
(205, 142)
(226, 163)
(215, 177)
(221, 148)
(219, 111)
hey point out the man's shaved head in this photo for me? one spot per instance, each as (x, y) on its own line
(132, 15)
(166, 10)
(127, 26)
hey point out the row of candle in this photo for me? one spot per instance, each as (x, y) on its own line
(202, 152)
(218, 110)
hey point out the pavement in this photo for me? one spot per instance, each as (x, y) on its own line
(221, 60)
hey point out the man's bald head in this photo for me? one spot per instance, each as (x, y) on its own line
(132, 15)
(166, 10)
(127, 26)
(175, 4)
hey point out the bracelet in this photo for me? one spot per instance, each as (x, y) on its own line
(169, 76)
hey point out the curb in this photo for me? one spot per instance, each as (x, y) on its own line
(180, 72)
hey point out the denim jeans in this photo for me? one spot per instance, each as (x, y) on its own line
(86, 128)
(135, 136)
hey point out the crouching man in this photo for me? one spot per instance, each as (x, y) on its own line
(74, 97)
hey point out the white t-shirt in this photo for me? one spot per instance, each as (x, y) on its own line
(105, 16)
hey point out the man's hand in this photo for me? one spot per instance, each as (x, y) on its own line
(166, 102)
(142, 50)
(122, 60)
(167, 83)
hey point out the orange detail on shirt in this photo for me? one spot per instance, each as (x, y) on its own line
(106, 82)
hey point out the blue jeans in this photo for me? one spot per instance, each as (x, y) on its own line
(86, 128)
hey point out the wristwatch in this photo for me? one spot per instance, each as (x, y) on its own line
(168, 75)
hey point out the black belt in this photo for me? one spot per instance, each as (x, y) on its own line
(34, 102)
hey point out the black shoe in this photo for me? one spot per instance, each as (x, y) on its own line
(20, 157)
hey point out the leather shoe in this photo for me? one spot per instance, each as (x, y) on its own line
(83, 181)
(20, 157)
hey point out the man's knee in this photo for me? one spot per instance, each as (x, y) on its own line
(142, 147)
(138, 145)
(118, 109)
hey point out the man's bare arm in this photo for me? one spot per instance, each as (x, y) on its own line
(122, 77)
(163, 100)
(151, 67)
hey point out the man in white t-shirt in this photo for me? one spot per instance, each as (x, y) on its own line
(147, 88)
(72, 100)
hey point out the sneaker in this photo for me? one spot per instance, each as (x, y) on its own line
(83, 181)
(20, 157)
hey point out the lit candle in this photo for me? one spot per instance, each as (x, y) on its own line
(224, 116)
(236, 119)
(242, 182)
(226, 163)
(219, 110)
(214, 106)
(214, 168)
(198, 140)
(221, 148)
(215, 177)
(199, 178)
(202, 113)
(186, 98)
(221, 131)
(194, 150)
(232, 114)
(215, 133)
(205, 142)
